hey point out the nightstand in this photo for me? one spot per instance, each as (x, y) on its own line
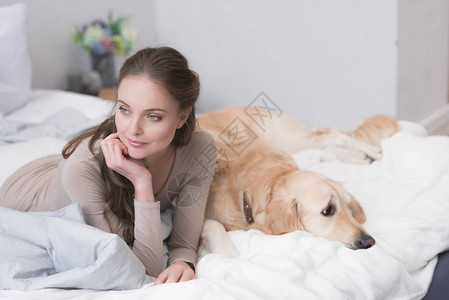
(108, 93)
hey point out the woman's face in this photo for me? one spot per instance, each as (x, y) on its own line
(146, 117)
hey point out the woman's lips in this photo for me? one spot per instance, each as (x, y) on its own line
(135, 144)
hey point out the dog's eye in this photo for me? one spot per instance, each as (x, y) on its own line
(329, 211)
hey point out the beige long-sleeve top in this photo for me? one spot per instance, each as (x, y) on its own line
(51, 183)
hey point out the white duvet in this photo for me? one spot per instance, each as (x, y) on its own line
(406, 199)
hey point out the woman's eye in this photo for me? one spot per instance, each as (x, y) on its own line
(154, 117)
(329, 211)
(123, 110)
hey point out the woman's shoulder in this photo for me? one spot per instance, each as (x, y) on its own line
(200, 151)
(82, 156)
(80, 167)
(201, 141)
(201, 137)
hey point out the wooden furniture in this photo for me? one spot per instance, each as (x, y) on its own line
(108, 93)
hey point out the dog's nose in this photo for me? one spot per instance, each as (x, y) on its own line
(364, 242)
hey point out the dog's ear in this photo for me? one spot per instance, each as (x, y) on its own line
(284, 216)
(353, 205)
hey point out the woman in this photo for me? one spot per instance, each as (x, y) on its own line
(144, 159)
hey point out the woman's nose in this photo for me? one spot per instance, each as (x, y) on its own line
(136, 127)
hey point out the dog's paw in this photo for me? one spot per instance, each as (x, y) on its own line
(216, 240)
(349, 149)
(305, 159)
(349, 155)
(372, 152)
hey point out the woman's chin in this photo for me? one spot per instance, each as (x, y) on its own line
(135, 155)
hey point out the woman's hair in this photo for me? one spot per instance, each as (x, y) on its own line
(169, 68)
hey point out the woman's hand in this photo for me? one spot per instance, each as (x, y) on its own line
(179, 271)
(115, 154)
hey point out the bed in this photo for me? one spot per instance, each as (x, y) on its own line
(405, 196)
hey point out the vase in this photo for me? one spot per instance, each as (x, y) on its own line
(104, 65)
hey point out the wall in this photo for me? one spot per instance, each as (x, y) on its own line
(423, 62)
(51, 27)
(325, 62)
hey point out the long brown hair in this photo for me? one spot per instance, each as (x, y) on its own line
(169, 68)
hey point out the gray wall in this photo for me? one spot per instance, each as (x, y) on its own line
(423, 61)
(326, 62)
(51, 27)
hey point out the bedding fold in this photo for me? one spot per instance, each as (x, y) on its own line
(64, 124)
(43, 251)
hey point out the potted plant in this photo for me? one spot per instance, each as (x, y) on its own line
(103, 40)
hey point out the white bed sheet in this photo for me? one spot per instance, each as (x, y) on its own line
(44, 103)
(406, 198)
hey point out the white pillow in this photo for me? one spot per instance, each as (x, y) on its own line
(16, 155)
(15, 70)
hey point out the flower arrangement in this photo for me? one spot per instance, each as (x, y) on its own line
(100, 38)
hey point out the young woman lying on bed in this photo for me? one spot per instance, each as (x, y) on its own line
(139, 162)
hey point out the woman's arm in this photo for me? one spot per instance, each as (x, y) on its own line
(83, 183)
(148, 246)
(147, 221)
(190, 205)
(188, 218)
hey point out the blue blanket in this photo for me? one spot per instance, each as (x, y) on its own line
(57, 250)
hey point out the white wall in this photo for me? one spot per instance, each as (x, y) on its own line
(51, 27)
(423, 62)
(325, 62)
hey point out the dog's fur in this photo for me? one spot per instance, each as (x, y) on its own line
(254, 162)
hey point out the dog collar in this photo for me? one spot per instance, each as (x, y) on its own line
(247, 210)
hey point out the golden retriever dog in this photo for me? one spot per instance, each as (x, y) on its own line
(257, 184)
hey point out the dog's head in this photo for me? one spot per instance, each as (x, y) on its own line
(303, 200)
